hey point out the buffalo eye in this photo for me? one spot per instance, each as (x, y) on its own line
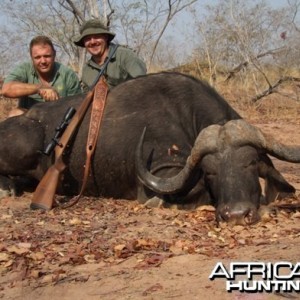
(210, 175)
(251, 163)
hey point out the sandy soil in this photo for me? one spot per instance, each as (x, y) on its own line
(114, 249)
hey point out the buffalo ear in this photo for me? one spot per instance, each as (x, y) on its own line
(276, 187)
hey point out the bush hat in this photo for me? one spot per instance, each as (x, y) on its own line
(94, 26)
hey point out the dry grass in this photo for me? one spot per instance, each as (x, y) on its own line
(283, 104)
(5, 106)
(280, 106)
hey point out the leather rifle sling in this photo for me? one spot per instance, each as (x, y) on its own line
(100, 95)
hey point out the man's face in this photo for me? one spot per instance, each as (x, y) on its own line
(43, 58)
(96, 44)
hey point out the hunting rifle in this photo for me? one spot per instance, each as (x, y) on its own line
(44, 194)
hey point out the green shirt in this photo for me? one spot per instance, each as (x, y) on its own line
(124, 65)
(65, 82)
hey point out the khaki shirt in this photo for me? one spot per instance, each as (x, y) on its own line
(65, 82)
(124, 65)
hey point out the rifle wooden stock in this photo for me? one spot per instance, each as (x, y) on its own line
(44, 194)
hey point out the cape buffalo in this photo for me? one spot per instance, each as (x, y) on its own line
(165, 138)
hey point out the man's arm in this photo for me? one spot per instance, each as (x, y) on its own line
(134, 65)
(15, 89)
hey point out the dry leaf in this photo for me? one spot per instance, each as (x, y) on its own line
(209, 208)
(24, 245)
(5, 217)
(37, 256)
(4, 257)
(90, 258)
(75, 221)
(17, 250)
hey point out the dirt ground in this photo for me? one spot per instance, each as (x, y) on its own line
(116, 249)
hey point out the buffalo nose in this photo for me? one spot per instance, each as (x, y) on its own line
(241, 215)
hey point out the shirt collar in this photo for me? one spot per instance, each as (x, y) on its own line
(55, 71)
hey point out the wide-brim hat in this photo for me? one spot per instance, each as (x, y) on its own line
(94, 26)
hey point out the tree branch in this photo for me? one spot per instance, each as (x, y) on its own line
(244, 64)
(169, 17)
(74, 10)
(272, 88)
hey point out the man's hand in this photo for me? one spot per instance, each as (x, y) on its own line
(48, 93)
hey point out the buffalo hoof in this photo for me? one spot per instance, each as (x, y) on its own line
(267, 213)
(7, 187)
(154, 202)
(241, 216)
(7, 193)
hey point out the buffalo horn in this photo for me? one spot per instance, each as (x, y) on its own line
(239, 132)
(206, 142)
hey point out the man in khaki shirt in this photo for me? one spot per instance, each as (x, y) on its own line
(124, 64)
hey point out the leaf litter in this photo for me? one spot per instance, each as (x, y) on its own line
(42, 246)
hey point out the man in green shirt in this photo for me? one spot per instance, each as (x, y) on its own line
(43, 79)
(124, 65)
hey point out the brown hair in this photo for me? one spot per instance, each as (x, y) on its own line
(41, 40)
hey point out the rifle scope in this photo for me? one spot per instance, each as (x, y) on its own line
(60, 130)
